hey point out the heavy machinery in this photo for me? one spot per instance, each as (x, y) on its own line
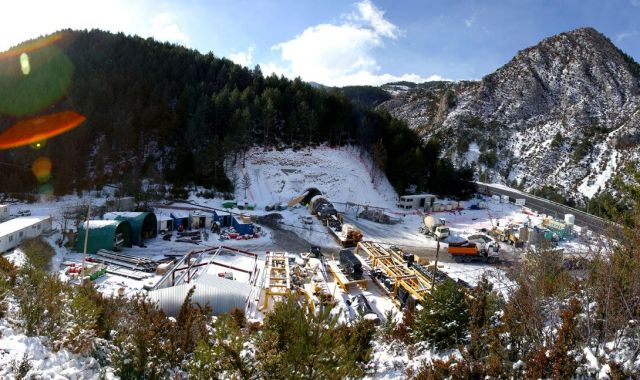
(479, 249)
(512, 234)
(350, 264)
(390, 270)
(378, 215)
(434, 227)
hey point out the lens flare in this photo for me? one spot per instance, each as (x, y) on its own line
(24, 63)
(42, 169)
(46, 189)
(37, 129)
(37, 81)
(38, 145)
(30, 46)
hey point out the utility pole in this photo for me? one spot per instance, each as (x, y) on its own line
(435, 266)
(86, 240)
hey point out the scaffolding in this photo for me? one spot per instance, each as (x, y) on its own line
(277, 282)
(392, 263)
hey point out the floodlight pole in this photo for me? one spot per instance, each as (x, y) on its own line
(86, 240)
(435, 266)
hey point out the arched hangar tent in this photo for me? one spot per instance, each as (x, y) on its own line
(144, 225)
(104, 234)
(220, 294)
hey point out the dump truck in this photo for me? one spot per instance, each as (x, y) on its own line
(477, 250)
(434, 227)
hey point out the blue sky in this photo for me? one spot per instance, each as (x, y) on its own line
(339, 42)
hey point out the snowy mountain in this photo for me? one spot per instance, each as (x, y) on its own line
(563, 113)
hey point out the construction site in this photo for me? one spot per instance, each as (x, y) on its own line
(296, 234)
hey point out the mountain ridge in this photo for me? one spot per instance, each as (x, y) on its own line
(559, 112)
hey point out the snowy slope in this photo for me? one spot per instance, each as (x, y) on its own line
(340, 173)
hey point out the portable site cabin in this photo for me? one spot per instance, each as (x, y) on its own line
(242, 224)
(165, 222)
(180, 218)
(144, 225)
(223, 219)
(15, 231)
(111, 235)
(4, 213)
(416, 202)
(200, 219)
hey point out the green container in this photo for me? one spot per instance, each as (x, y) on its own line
(96, 275)
(229, 204)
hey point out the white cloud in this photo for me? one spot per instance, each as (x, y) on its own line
(340, 54)
(243, 58)
(624, 35)
(165, 28)
(375, 17)
(28, 19)
(469, 22)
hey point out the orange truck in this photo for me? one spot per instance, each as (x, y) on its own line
(467, 251)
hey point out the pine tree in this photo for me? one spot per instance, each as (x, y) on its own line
(221, 355)
(444, 318)
(82, 326)
(246, 183)
(296, 344)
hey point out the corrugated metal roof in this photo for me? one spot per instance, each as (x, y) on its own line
(220, 294)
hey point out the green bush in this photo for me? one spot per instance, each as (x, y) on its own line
(297, 344)
(443, 320)
(38, 252)
(557, 141)
(44, 314)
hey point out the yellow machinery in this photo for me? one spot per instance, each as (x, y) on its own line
(342, 280)
(277, 283)
(391, 262)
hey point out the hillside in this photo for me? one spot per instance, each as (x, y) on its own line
(170, 114)
(563, 114)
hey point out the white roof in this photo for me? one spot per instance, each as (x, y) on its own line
(126, 214)
(99, 223)
(18, 224)
(418, 196)
(180, 214)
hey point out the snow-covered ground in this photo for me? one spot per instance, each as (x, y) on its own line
(44, 363)
(276, 177)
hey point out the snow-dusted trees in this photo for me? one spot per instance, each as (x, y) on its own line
(246, 183)
(444, 318)
(7, 280)
(142, 347)
(224, 353)
(296, 344)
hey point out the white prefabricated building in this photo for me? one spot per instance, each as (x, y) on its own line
(416, 201)
(15, 231)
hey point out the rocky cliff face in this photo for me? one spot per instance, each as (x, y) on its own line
(563, 113)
